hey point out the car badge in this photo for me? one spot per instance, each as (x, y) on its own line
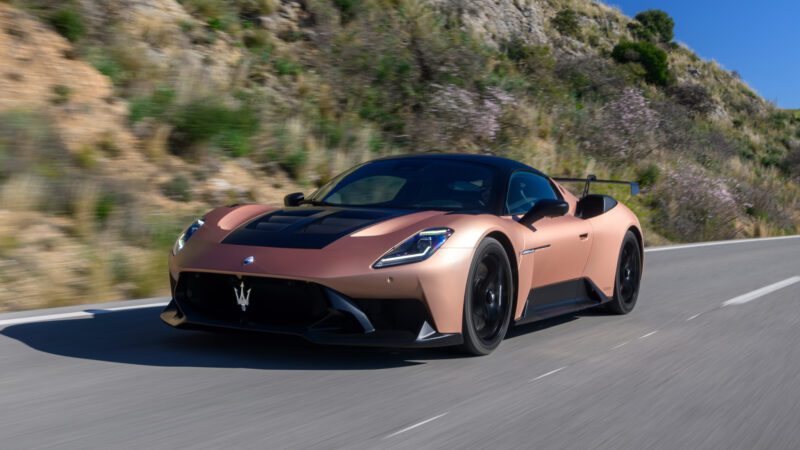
(249, 260)
(242, 298)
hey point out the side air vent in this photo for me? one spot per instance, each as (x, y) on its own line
(593, 205)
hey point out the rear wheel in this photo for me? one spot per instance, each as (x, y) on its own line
(488, 299)
(629, 276)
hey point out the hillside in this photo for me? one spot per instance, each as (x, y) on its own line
(122, 120)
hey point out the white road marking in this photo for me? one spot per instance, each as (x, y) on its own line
(709, 244)
(126, 308)
(648, 334)
(619, 345)
(549, 373)
(76, 314)
(71, 315)
(416, 425)
(750, 296)
(693, 317)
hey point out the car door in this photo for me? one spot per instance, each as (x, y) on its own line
(560, 246)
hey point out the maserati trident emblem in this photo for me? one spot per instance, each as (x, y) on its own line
(242, 299)
(248, 260)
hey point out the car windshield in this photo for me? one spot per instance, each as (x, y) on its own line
(423, 183)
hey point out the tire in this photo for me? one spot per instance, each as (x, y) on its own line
(628, 276)
(488, 299)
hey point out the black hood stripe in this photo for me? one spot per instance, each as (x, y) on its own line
(306, 227)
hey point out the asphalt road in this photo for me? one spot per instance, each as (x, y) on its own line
(682, 371)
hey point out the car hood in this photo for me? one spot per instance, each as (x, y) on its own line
(308, 227)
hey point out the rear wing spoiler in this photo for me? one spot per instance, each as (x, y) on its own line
(593, 179)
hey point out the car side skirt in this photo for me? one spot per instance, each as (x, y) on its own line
(561, 298)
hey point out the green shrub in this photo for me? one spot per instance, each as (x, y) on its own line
(156, 105)
(532, 60)
(284, 67)
(652, 59)
(649, 176)
(294, 162)
(653, 25)
(211, 121)
(566, 22)
(68, 22)
(104, 207)
(347, 9)
(108, 67)
(61, 94)
(178, 189)
(86, 157)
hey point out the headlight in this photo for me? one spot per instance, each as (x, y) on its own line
(416, 248)
(184, 237)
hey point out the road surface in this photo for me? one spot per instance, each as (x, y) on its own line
(710, 358)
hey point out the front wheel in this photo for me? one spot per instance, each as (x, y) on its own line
(629, 276)
(488, 299)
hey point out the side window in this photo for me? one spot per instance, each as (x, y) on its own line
(524, 189)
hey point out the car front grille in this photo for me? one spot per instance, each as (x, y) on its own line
(272, 301)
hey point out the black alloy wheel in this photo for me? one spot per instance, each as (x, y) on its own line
(488, 299)
(629, 276)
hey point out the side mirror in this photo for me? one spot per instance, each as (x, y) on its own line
(544, 208)
(295, 199)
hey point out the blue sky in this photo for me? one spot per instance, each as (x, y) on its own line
(758, 39)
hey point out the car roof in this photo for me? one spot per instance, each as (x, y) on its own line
(504, 164)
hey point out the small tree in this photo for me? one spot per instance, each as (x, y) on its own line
(653, 60)
(654, 25)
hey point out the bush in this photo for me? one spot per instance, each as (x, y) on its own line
(625, 129)
(694, 206)
(61, 94)
(591, 78)
(347, 9)
(211, 121)
(566, 22)
(653, 25)
(457, 114)
(385, 65)
(178, 189)
(251, 10)
(763, 201)
(532, 60)
(68, 22)
(694, 97)
(649, 176)
(105, 205)
(652, 59)
(156, 105)
(287, 67)
(29, 143)
(791, 163)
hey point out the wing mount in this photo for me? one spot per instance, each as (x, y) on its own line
(593, 179)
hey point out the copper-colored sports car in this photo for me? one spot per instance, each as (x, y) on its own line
(410, 251)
